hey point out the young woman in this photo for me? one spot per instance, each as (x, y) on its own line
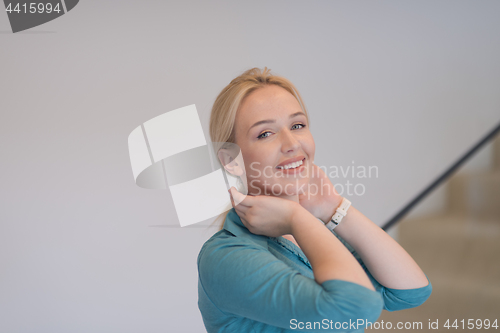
(274, 266)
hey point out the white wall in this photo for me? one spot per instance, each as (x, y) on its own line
(404, 86)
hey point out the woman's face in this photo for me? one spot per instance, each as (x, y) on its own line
(272, 129)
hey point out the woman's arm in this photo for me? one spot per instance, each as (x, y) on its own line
(273, 216)
(329, 258)
(386, 260)
(394, 299)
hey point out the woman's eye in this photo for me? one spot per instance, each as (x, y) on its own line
(261, 135)
(300, 125)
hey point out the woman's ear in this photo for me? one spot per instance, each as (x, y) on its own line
(232, 164)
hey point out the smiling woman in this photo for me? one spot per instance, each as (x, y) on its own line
(274, 263)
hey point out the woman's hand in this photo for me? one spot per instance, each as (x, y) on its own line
(320, 198)
(264, 214)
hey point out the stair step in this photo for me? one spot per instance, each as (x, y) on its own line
(475, 194)
(460, 255)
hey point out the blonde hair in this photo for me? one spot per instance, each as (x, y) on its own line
(223, 115)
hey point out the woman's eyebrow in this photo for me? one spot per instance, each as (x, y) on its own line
(274, 120)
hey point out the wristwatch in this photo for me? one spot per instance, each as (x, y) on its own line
(339, 214)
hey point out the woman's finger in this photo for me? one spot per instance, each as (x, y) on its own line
(240, 209)
(239, 198)
(231, 198)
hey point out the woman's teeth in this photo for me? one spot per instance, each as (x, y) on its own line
(291, 165)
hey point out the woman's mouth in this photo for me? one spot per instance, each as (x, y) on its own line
(292, 168)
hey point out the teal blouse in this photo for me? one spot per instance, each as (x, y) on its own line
(255, 283)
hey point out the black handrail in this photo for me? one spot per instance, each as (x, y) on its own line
(447, 174)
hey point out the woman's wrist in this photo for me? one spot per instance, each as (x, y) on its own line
(332, 207)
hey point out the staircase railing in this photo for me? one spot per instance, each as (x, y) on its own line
(444, 176)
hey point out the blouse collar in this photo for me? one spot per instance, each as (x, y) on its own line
(234, 225)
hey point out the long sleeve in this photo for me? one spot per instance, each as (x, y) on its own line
(244, 279)
(394, 299)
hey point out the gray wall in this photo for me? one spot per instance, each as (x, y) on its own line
(404, 86)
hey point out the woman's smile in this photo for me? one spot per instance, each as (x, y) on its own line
(292, 168)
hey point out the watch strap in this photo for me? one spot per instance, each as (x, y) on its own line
(340, 212)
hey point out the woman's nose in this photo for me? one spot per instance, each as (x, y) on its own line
(289, 142)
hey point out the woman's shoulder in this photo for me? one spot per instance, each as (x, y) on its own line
(224, 246)
(223, 239)
(220, 237)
